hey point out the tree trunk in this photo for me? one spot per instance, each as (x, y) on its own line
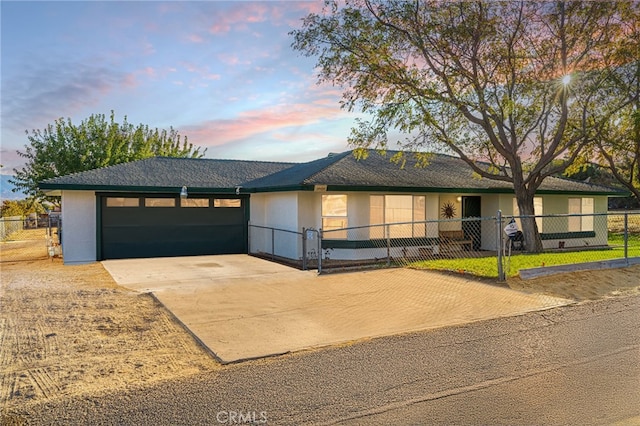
(532, 240)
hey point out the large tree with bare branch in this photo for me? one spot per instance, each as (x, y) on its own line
(511, 84)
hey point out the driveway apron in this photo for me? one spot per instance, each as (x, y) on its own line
(242, 307)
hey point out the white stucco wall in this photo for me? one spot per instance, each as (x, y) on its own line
(275, 210)
(296, 210)
(78, 227)
(559, 205)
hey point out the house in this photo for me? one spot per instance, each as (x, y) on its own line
(136, 209)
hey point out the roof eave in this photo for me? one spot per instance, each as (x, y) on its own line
(49, 188)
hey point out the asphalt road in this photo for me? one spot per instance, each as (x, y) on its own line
(578, 364)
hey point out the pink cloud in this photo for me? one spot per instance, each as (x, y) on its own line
(10, 158)
(195, 38)
(241, 15)
(149, 72)
(252, 123)
(219, 28)
(231, 59)
(201, 71)
(307, 6)
(129, 81)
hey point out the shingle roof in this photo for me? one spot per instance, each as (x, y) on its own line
(443, 172)
(339, 171)
(164, 172)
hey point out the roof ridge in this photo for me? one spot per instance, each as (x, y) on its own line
(337, 157)
(109, 166)
(223, 159)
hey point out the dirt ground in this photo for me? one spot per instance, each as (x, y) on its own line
(584, 285)
(70, 330)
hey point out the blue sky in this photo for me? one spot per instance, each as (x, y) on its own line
(222, 73)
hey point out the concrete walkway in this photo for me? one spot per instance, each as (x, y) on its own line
(242, 307)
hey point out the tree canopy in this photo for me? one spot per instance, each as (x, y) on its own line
(10, 208)
(63, 148)
(617, 138)
(512, 84)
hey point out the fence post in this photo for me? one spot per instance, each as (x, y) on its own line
(387, 231)
(501, 276)
(249, 230)
(273, 243)
(304, 248)
(626, 236)
(319, 251)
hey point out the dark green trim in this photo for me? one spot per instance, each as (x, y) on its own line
(169, 194)
(246, 199)
(417, 242)
(288, 188)
(378, 243)
(154, 189)
(410, 189)
(567, 235)
(310, 187)
(98, 227)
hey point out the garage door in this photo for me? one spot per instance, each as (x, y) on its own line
(134, 226)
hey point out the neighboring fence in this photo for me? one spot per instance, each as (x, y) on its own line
(475, 245)
(30, 238)
(10, 225)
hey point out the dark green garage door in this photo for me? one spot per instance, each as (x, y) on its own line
(134, 226)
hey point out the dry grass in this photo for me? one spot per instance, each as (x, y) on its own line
(69, 330)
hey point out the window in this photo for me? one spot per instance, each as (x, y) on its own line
(398, 209)
(334, 216)
(227, 202)
(580, 206)
(123, 202)
(537, 211)
(405, 209)
(159, 202)
(194, 202)
(419, 215)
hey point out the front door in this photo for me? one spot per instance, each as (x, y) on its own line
(471, 208)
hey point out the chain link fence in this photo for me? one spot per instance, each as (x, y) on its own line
(478, 246)
(30, 238)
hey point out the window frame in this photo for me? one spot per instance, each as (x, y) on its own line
(123, 205)
(327, 217)
(150, 202)
(418, 208)
(581, 223)
(227, 203)
(193, 202)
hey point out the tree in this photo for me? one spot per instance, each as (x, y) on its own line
(21, 208)
(497, 83)
(617, 138)
(63, 148)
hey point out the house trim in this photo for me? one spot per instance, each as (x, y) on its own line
(567, 235)
(410, 189)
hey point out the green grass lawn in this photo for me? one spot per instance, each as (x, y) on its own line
(488, 266)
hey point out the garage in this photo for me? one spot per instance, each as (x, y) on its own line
(157, 225)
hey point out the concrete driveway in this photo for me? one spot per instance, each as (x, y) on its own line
(242, 307)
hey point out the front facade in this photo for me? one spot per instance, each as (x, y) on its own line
(137, 210)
